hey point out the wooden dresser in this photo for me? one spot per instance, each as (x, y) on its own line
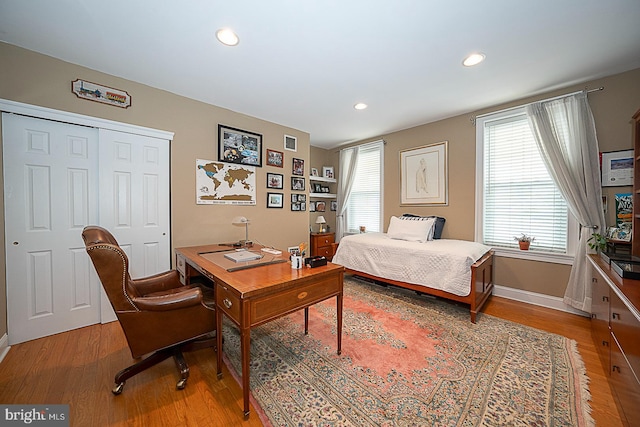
(322, 244)
(615, 326)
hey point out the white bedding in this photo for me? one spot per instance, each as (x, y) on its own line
(443, 264)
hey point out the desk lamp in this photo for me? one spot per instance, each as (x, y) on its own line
(322, 222)
(239, 220)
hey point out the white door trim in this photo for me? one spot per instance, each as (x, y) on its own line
(79, 119)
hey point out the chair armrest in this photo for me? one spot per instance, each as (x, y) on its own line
(170, 300)
(157, 283)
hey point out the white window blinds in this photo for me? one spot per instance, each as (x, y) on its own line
(519, 196)
(365, 203)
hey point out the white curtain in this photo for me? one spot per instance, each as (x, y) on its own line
(565, 132)
(348, 162)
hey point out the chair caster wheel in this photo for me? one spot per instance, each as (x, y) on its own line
(181, 384)
(118, 389)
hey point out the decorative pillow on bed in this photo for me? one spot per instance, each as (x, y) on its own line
(412, 231)
(436, 230)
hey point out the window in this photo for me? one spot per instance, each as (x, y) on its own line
(516, 194)
(364, 207)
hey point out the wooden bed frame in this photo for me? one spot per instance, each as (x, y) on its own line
(481, 285)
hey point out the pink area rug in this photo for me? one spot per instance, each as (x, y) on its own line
(410, 360)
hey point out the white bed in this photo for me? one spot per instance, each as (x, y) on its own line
(454, 269)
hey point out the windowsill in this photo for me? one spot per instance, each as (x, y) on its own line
(533, 255)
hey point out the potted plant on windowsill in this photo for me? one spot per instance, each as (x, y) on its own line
(524, 241)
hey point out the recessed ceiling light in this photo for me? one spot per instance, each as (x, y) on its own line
(360, 106)
(227, 37)
(473, 59)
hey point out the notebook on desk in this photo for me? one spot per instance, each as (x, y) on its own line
(242, 256)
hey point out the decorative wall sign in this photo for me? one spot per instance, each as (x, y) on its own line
(423, 175)
(99, 93)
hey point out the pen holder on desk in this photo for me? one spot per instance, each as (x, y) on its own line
(296, 262)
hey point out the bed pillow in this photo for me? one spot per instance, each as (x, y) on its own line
(437, 229)
(412, 231)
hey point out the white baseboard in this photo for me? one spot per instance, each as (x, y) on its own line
(4, 346)
(534, 298)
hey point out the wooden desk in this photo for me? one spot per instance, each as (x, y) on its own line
(260, 294)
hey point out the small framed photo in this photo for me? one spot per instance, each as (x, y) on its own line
(334, 205)
(297, 183)
(321, 206)
(294, 198)
(314, 172)
(299, 206)
(317, 188)
(275, 200)
(290, 143)
(312, 206)
(275, 158)
(275, 180)
(327, 172)
(239, 146)
(298, 167)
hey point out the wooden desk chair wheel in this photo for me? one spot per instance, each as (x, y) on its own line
(157, 313)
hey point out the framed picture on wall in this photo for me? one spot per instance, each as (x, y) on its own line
(617, 168)
(275, 158)
(275, 180)
(275, 200)
(239, 146)
(423, 175)
(297, 183)
(298, 167)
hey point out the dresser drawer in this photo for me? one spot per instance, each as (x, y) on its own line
(325, 251)
(228, 302)
(275, 305)
(325, 240)
(626, 329)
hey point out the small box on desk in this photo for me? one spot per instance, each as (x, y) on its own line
(609, 257)
(626, 269)
(315, 261)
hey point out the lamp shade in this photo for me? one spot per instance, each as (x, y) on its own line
(321, 220)
(239, 220)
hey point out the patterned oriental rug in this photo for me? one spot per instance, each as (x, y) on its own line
(410, 360)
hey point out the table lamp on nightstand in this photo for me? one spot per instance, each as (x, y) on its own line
(322, 223)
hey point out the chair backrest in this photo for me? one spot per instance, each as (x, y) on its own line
(112, 265)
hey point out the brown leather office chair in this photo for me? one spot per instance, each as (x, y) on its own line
(157, 313)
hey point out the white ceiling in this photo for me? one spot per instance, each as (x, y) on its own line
(305, 63)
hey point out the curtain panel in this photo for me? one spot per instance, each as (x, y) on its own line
(564, 130)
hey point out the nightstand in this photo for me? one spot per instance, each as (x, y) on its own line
(321, 244)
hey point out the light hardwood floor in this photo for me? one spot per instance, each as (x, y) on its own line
(77, 368)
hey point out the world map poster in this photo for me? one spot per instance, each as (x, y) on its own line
(225, 183)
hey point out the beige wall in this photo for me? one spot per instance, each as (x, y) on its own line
(36, 79)
(612, 109)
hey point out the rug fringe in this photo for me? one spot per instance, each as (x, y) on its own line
(582, 380)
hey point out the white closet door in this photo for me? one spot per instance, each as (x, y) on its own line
(50, 183)
(59, 178)
(134, 198)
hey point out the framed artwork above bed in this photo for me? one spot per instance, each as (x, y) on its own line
(424, 175)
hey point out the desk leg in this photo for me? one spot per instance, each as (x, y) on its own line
(245, 347)
(219, 342)
(339, 316)
(306, 320)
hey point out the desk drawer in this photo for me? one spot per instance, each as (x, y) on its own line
(280, 303)
(228, 302)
